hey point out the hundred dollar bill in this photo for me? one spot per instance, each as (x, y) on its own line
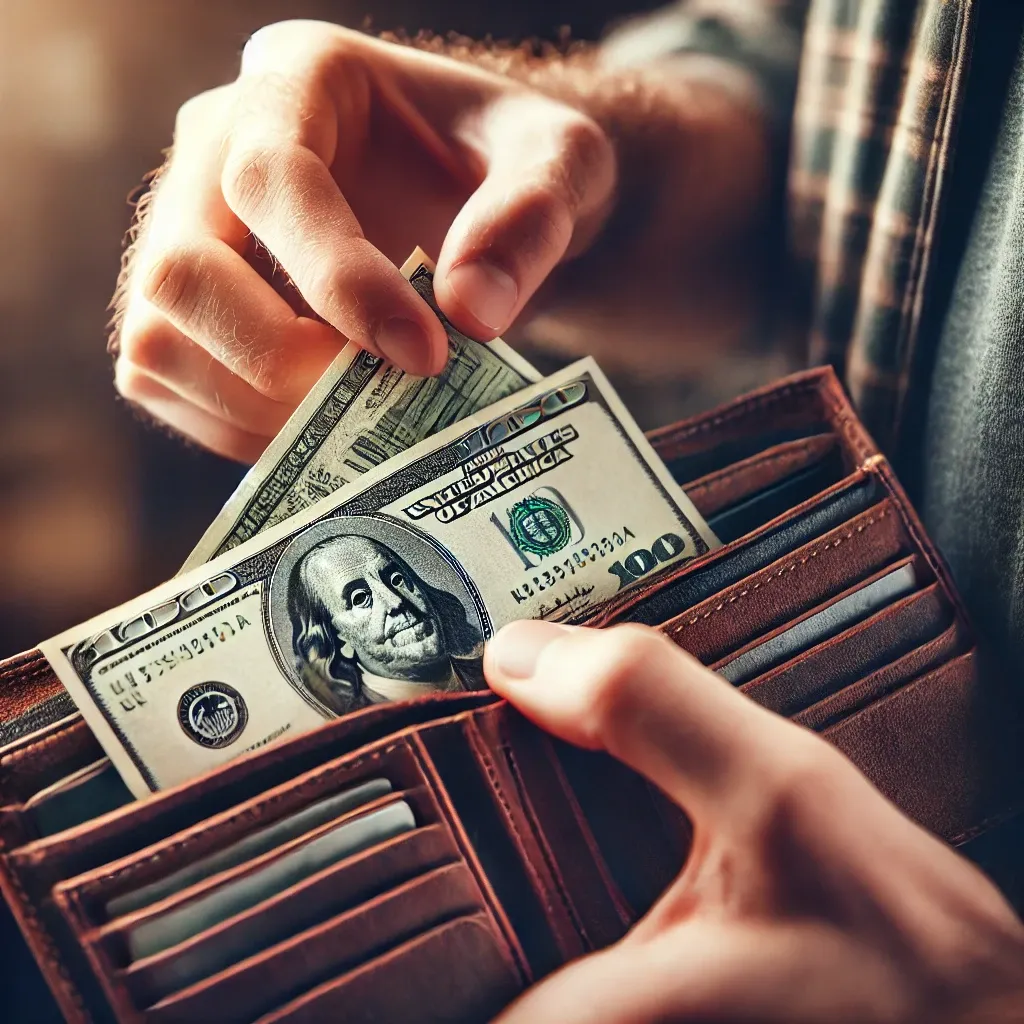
(544, 506)
(360, 413)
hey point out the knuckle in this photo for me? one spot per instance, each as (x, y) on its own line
(268, 39)
(546, 218)
(803, 785)
(283, 42)
(251, 176)
(172, 282)
(266, 370)
(588, 155)
(330, 288)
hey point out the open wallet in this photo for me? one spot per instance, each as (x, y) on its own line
(429, 859)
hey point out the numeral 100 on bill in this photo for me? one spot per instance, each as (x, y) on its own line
(641, 561)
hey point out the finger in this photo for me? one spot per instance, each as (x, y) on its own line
(276, 179)
(212, 295)
(189, 264)
(187, 419)
(629, 690)
(153, 345)
(550, 176)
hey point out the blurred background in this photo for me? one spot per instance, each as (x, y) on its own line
(96, 506)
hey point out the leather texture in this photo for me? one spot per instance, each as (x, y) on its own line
(525, 853)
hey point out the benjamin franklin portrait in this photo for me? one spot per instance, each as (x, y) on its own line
(366, 626)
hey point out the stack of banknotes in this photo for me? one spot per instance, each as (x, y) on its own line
(394, 525)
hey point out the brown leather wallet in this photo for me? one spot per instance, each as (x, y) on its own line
(525, 852)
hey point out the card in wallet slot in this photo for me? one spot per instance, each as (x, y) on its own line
(851, 607)
(730, 564)
(77, 798)
(480, 980)
(883, 638)
(284, 972)
(326, 894)
(250, 847)
(791, 585)
(161, 930)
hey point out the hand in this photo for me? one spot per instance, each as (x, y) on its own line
(807, 896)
(340, 153)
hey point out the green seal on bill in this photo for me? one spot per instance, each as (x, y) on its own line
(539, 526)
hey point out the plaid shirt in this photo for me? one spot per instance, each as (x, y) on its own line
(870, 90)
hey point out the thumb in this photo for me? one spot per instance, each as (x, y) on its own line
(550, 174)
(630, 691)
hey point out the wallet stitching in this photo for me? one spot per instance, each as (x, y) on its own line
(43, 936)
(538, 834)
(790, 567)
(483, 756)
(129, 871)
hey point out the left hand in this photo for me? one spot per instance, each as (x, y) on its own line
(807, 896)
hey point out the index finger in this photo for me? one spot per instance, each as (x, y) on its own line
(276, 178)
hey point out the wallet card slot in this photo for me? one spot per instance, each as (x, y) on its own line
(353, 881)
(746, 516)
(222, 896)
(702, 463)
(41, 759)
(509, 868)
(480, 980)
(821, 623)
(856, 652)
(666, 598)
(873, 687)
(86, 895)
(282, 972)
(808, 403)
(737, 481)
(249, 788)
(789, 586)
(77, 798)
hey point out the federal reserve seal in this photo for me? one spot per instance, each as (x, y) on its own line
(212, 714)
(539, 525)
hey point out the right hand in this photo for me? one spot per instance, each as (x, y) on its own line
(340, 153)
(807, 896)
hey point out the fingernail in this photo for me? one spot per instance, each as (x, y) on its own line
(405, 344)
(516, 648)
(485, 291)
